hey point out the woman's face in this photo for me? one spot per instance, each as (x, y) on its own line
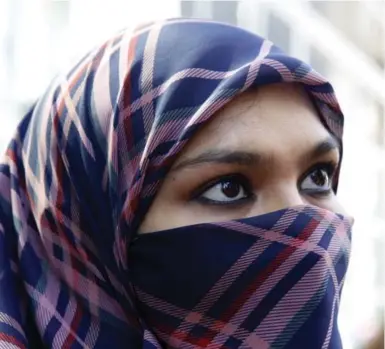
(265, 151)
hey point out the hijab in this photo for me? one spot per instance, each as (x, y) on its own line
(83, 168)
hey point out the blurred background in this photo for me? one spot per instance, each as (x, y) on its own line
(343, 40)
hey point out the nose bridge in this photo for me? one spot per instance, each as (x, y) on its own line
(280, 196)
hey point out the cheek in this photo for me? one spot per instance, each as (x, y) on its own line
(169, 210)
(332, 204)
(166, 210)
(167, 213)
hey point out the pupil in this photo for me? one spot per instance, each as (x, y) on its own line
(319, 177)
(230, 189)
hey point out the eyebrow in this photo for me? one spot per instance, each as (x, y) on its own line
(243, 158)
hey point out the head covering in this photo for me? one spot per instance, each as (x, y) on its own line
(88, 159)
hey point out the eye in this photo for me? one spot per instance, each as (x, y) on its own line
(319, 180)
(227, 190)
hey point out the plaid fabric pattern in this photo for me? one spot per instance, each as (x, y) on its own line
(271, 281)
(87, 160)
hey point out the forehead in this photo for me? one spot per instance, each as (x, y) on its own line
(277, 119)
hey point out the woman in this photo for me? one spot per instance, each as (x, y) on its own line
(175, 190)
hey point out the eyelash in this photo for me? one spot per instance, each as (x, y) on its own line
(329, 167)
(237, 177)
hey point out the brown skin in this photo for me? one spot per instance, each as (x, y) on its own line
(273, 146)
(377, 342)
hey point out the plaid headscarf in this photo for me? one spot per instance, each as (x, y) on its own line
(88, 159)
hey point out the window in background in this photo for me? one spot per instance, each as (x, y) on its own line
(187, 8)
(318, 61)
(380, 205)
(379, 247)
(380, 129)
(197, 9)
(58, 18)
(9, 24)
(221, 11)
(279, 32)
(225, 11)
(58, 15)
(378, 138)
(320, 7)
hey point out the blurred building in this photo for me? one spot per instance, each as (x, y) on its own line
(343, 40)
